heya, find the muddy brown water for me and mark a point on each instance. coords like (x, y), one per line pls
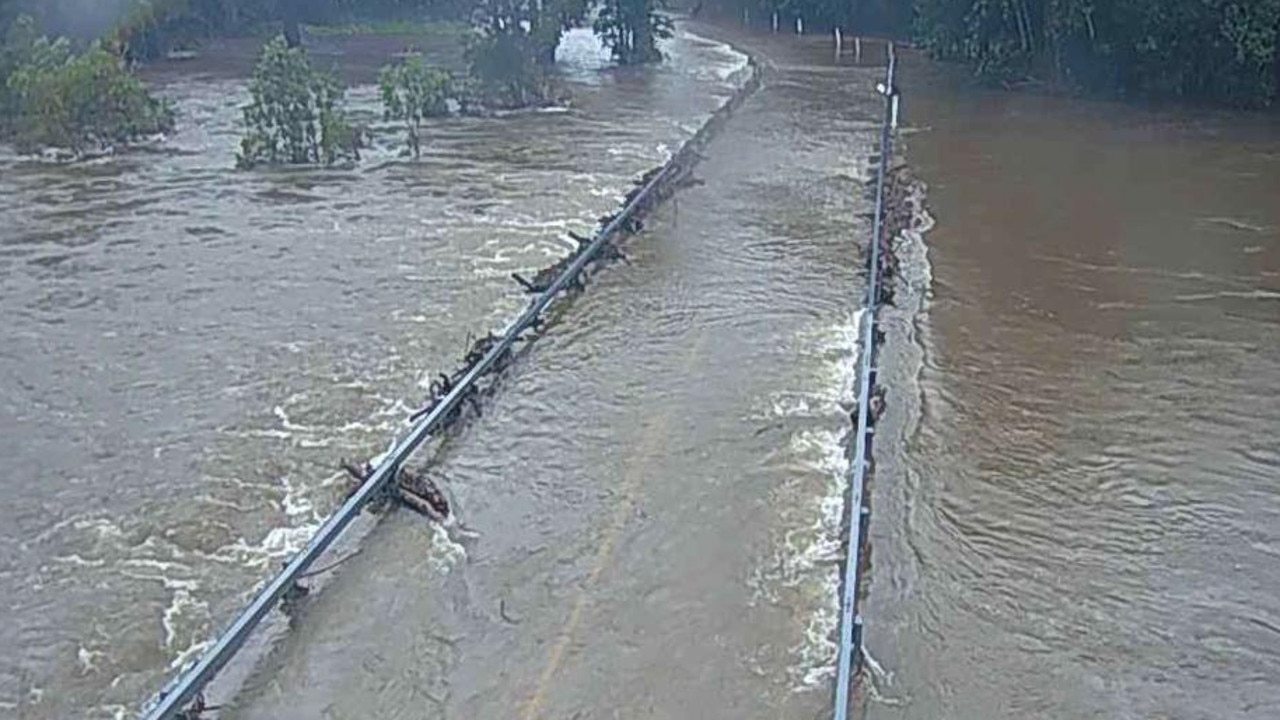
(189, 349)
(657, 491)
(1077, 514)
(1074, 505)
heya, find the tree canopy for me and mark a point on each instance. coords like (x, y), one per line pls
(1216, 50)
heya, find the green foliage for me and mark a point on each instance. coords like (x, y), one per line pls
(514, 46)
(151, 28)
(412, 92)
(23, 44)
(506, 70)
(55, 98)
(631, 29)
(296, 115)
(1216, 50)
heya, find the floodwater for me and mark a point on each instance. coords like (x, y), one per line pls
(189, 350)
(1074, 505)
(1077, 512)
(657, 490)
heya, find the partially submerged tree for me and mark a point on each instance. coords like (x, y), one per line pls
(58, 99)
(412, 92)
(506, 72)
(631, 29)
(296, 116)
(18, 46)
(514, 47)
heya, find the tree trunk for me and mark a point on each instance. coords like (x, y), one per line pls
(1275, 70)
(291, 14)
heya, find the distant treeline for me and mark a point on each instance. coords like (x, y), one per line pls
(67, 82)
(1218, 51)
(1221, 51)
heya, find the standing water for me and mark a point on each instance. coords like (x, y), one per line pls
(1077, 512)
(190, 349)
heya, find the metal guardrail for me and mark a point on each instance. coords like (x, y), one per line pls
(180, 692)
(850, 641)
(188, 685)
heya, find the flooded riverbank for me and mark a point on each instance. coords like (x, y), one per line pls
(1083, 515)
(192, 348)
(1074, 502)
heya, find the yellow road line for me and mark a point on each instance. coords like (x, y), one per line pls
(654, 433)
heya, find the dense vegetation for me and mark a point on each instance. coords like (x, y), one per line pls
(631, 28)
(1220, 51)
(413, 92)
(52, 96)
(296, 114)
(80, 95)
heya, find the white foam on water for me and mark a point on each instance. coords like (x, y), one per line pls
(103, 527)
(188, 655)
(1237, 294)
(184, 615)
(76, 559)
(914, 268)
(88, 659)
(1236, 224)
(285, 541)
(793, 404)
(836, 390)
(381, 457)
(876, 669)
(182, 599)
(581, 50)
(296, 501)
(818, 652)
(285, 422)
(163, 567)
(267, 434)
(814, 553)
(718, 60)
(820, 541)
(445, 552)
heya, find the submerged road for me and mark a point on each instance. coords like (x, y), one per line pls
(656, 491)
(191, 349)
(1074, 510)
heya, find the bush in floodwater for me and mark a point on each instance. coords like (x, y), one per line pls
(78, 102)
(506, 72)
(631, 29)
(22, 45)
(295, 117)
(412, 92)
